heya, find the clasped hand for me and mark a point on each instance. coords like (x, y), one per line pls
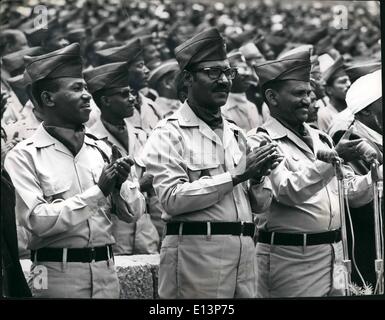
(114, 174)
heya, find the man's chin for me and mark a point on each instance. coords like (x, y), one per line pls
(129, 114)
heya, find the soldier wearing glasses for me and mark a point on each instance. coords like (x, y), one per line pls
(200, 168)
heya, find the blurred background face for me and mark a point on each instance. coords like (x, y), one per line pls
(55, 41)
(319, 83)
(121, 102)
(138, 74)
(313, 109)
(266, 50)
(243, 79)
(168, 85)
(151, 56)
(339, 87)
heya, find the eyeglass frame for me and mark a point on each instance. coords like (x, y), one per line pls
(119, 91)
(207, 70)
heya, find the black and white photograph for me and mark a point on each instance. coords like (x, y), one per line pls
(174, 150)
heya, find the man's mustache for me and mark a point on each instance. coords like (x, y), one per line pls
(221, 88)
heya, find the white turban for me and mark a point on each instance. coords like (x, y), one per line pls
(364, 91)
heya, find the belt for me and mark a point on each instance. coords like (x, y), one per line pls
(210, 228)
(299, 239)
(73, 254)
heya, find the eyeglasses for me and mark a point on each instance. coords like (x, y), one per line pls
(124, 93)
(215, 73)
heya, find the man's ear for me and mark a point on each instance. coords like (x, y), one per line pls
(271, 97)
(167, 82)
(46, 98)
(187, 78)
(328, 90)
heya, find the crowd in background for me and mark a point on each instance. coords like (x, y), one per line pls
(259, 30)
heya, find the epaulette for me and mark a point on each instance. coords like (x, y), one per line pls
(140, 133)
(263, 133)
(325, 139)
(260, 129)
(90, 135)
(103, 154)
(163, 122)
(231, 121)
(155, 111)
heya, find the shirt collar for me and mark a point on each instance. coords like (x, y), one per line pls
(42, 138)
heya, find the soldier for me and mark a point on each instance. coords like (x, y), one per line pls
(200, 168)
(299, 249)
(313, 106)
(337, 84)
(254, 57)
(163, 80)
(238, 108)
(109, 87)
(64, 189)
(12, 40)
(146, 115)
(363, 118)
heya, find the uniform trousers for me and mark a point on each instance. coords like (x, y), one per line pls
(75, 280)
(201, 266)
(297, 271)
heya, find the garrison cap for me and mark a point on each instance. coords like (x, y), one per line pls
(16, 35)
(207, 45)
(65, 62)
(160, 71)
(19, 86)
(324, 45)
(108, 76)
(297, 48)
(128, 52)
(101, 31)
(294, 67)
(76, 34)
(331, 69)
(14, 62)
(36, 35)
(358, 69)
(235, 56)
(250, 51)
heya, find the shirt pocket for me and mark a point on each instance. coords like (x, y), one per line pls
(198, 170)
(55, 190)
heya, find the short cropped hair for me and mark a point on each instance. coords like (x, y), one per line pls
(274, 85)
(43, 85)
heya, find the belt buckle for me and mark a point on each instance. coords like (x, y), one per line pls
(92, 255)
